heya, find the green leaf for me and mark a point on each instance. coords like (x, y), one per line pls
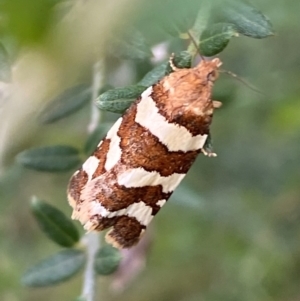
(94, 139)
(119, 100)
(50, 158)
(170, 28)
(183, 60)
(5, 66)
(55, 269)
(177, 16)
(215, 38)
(130, 92)
(132, 46)
(247, 20)
(115, 106)
(154, 75)
(70, 101)
(107, 260)
(54, 223)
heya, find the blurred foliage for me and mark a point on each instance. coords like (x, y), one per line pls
(231, 231)
(68, 102)
(107, 260)
(216, 38)
(54, 269)
(54, 224)
(5, 66)
(50, 158)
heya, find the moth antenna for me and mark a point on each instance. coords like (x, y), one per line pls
(242, 81)
(195, 44)
(171, 62)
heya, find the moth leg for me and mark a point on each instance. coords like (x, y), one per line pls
(216, 104)
(207, 148)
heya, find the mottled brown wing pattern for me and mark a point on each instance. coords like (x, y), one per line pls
(144, 156)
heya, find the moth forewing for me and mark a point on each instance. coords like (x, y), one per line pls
(145, 155)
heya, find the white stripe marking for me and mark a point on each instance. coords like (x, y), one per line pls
(114, 152)
(140, 211)
(90, 166)
(174, 136)
(139, 177)
(160, 203)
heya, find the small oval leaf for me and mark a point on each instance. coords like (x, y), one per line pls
(182, 60)
(130, 92)
(170, 28)
(55, 269)
(178, 16)
(50, 158)
(132, 45)
(68, 102)
(115, 106)
(215, 38)
(247, 19)
(55, 224)
(119, 100)
(154, 75)
(107, 260)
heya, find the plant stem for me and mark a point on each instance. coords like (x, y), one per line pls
(97, 83)
(92, 240)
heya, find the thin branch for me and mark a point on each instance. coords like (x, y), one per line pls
(5, 95)
(195, 32)
(92, 240)
(97, 83)
(193, 42)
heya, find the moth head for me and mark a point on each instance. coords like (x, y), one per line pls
(212, 76)
(189, 90)
(209, 69)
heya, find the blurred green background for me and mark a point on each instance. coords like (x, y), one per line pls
(231, 231)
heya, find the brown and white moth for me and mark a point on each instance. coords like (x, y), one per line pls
(145, 155)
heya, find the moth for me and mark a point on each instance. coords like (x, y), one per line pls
(145, 155)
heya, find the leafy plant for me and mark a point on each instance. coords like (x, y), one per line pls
(225, 22)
